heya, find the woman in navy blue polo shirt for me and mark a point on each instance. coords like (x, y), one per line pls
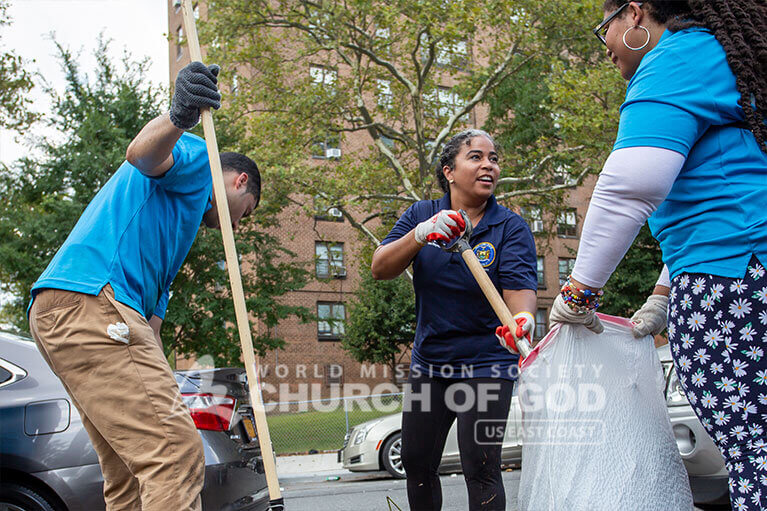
(458, 368)
(690, 158)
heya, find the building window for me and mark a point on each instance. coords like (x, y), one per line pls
(567, 224)
(334, 374)
(444, 102)
(533, 217)
(235, 85)
(328, 148)
(454, 54)
(325, 77)
(385, 97)
(320, 25)
(382, 41)
(541, 318)
(330, 320)
(562, 176)
(541, 274)
(329, 260)
(179, 39)
(566, 265)
(324, 211)
(388, 142)
(428, 145)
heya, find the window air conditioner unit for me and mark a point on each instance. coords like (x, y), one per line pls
(332, 152)
(335, 212)
(339, 272)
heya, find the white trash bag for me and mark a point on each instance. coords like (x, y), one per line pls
(596, 432)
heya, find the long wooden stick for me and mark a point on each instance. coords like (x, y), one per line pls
(494, 297)
(232, 264)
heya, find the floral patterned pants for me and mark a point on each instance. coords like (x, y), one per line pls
(718, 335)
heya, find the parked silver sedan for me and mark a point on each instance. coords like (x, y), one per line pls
(376, 444)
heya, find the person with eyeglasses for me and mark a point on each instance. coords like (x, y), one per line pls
(690, 158)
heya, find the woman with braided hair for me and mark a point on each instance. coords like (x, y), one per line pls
(690, 159)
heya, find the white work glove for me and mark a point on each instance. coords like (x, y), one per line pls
(444, 226)
(508, 337)
(562, 313)
(651, 318)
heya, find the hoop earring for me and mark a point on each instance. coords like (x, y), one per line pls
(451, 181)
(640, 47)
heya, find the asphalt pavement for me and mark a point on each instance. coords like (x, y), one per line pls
(377, 491)
(319, 483)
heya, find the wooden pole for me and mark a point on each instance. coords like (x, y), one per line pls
(232, 264)
(495, 299)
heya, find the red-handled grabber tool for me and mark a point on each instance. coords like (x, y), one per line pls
(461, 246)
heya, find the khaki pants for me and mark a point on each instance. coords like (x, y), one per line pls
(106, 355)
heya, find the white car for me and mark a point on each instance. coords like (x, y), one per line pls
(376, 444)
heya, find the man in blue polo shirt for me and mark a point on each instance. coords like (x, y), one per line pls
(97, 309)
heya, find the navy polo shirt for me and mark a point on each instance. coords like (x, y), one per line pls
(455, 334)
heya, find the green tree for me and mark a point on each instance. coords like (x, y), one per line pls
(634, 278)
(571, 100)
(96, 118)
(15, 83)
(43, 197)
(404, 75)
(381, 322)
(556, 120)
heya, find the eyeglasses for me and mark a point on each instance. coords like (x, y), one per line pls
(601, 30)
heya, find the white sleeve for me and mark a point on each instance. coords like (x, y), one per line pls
(633, 183)
(664, 278)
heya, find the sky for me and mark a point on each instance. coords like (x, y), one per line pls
(140, 26)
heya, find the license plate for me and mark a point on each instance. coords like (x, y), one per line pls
(248, 423)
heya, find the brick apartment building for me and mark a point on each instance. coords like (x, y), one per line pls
(313, 354)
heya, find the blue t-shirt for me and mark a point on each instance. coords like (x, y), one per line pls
(681, 98)
(136, 232)
(455, 332)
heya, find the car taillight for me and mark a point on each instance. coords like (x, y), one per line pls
(210, 411)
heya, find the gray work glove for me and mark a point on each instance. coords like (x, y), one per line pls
(195, 88)
(651, 318)
(562, 313)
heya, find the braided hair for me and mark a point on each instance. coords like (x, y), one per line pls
(740, 26)
(451, 150)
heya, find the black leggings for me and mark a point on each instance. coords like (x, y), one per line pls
(431, 405)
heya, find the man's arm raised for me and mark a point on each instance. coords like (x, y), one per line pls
(152, 150)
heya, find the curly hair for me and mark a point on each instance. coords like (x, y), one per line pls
(451, 150)
(740, 26)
